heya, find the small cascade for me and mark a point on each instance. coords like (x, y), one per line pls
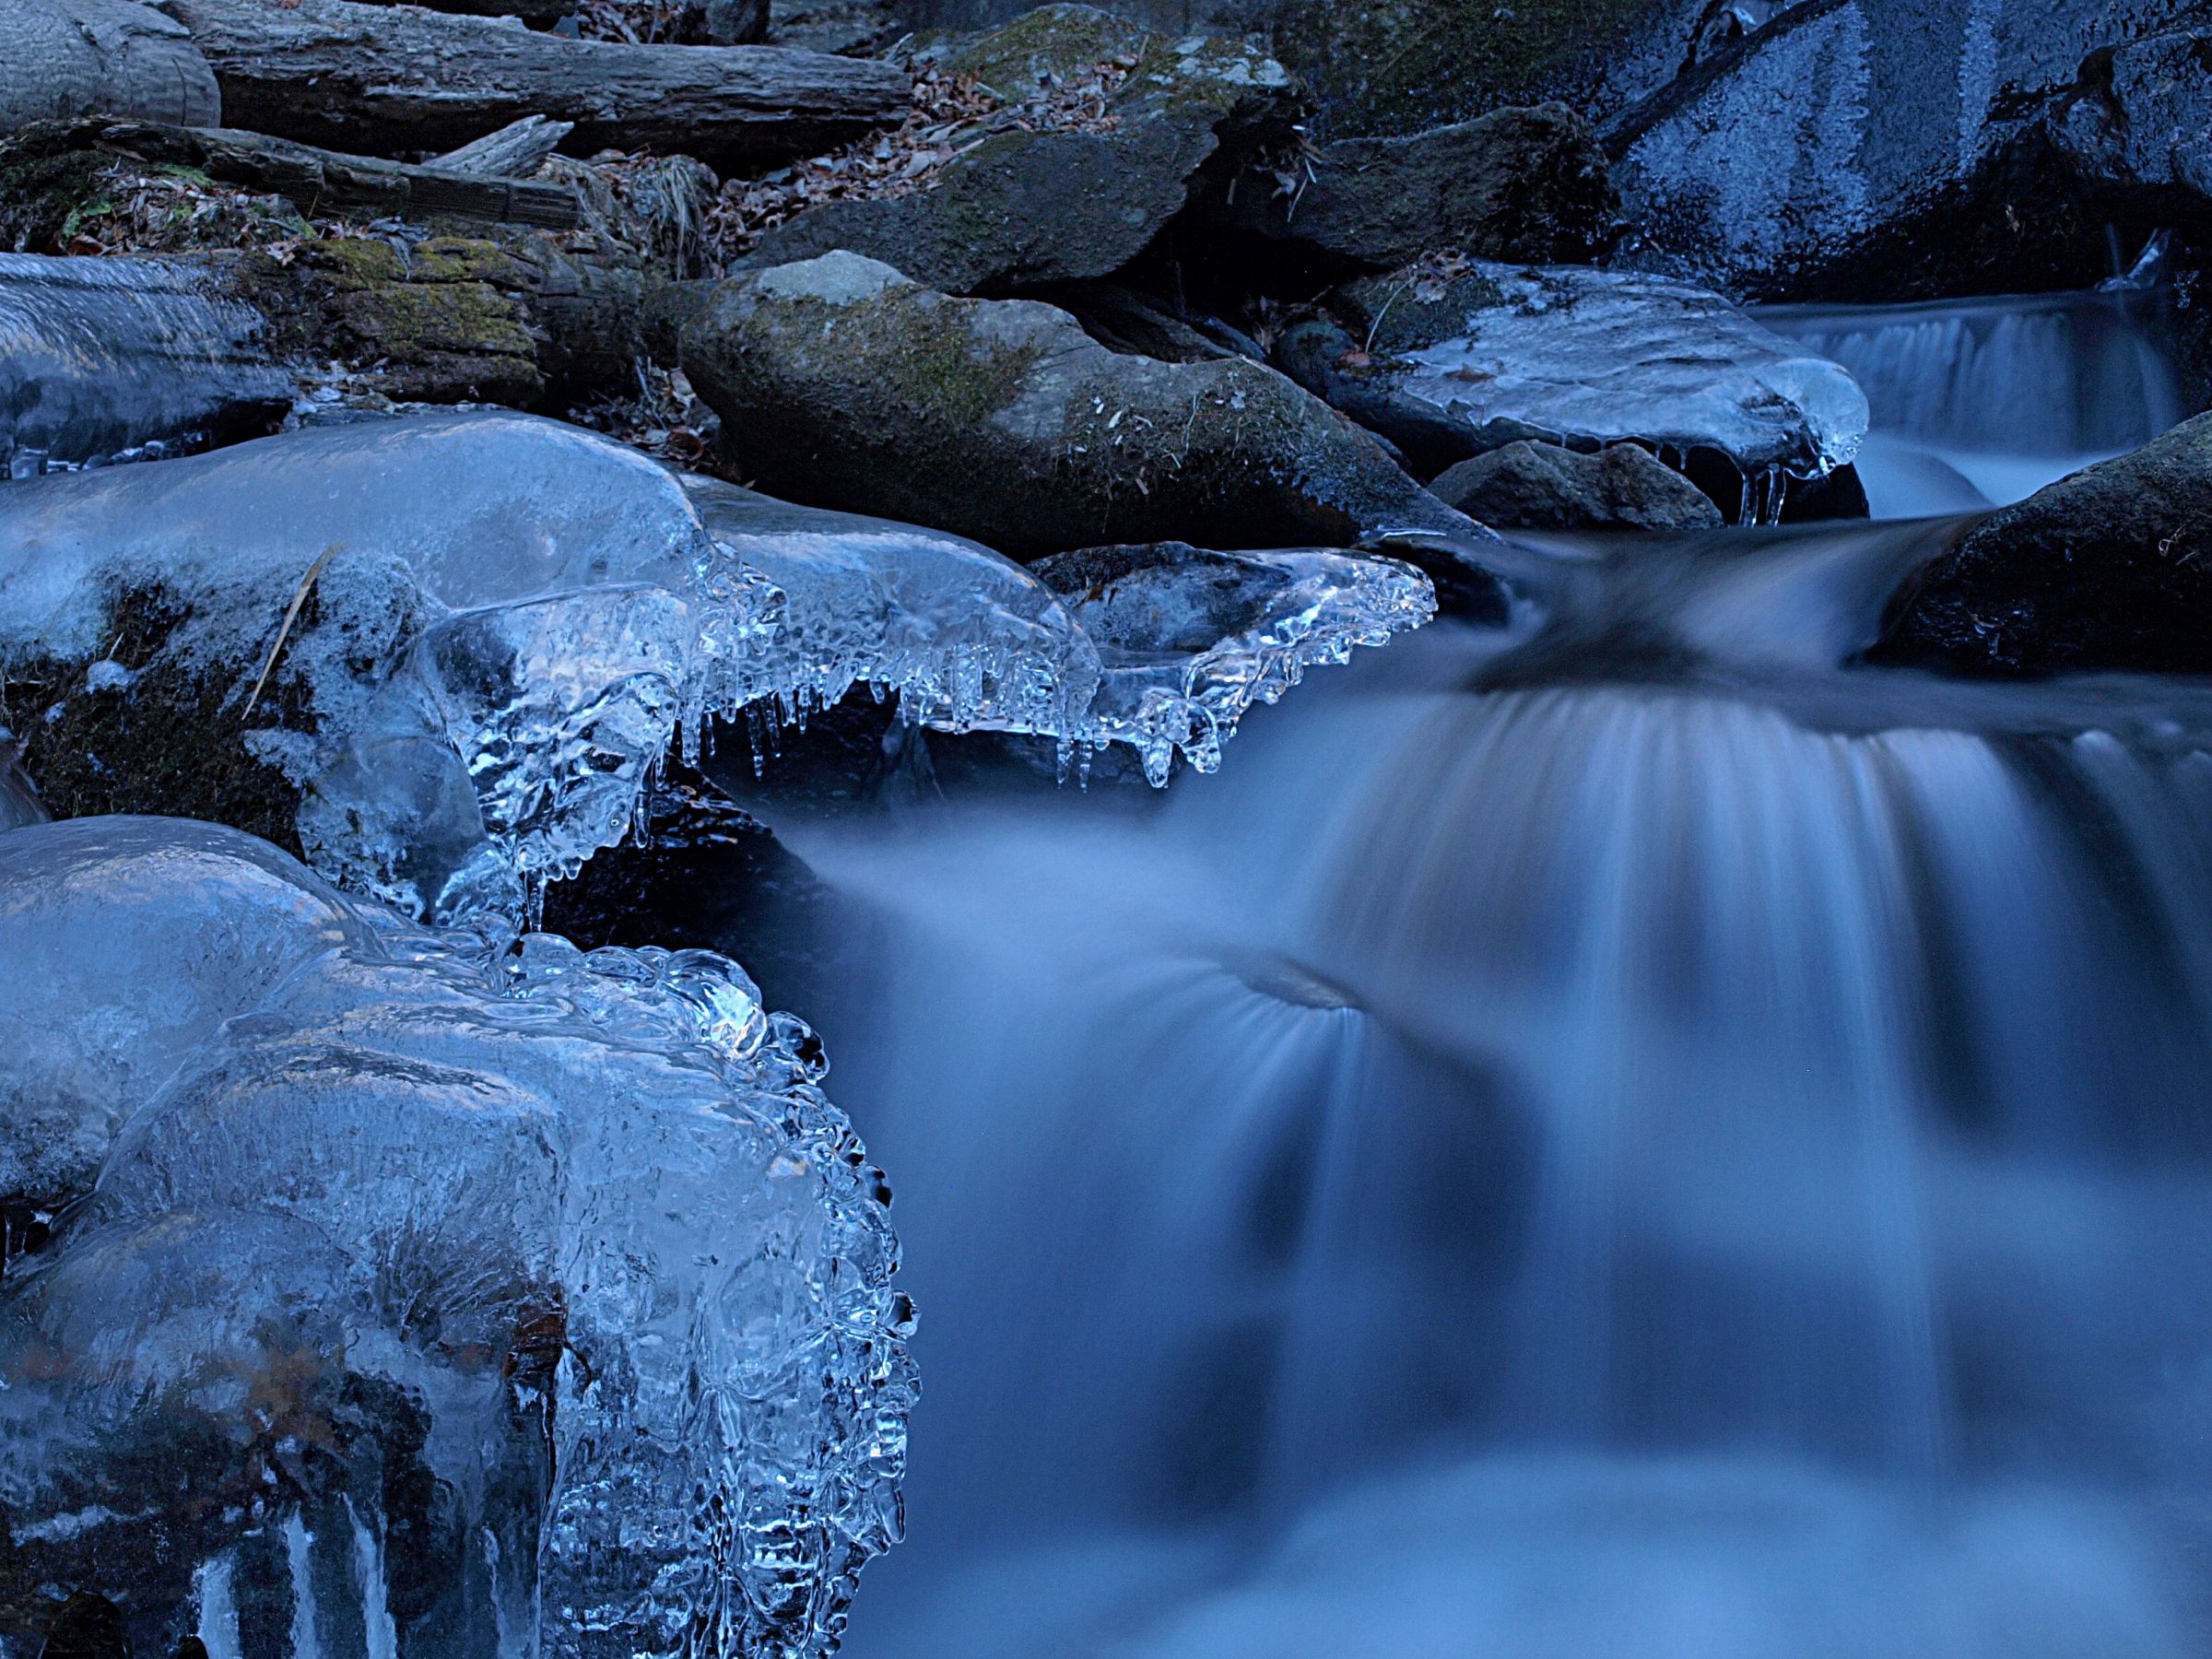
(1977, 403)
(1524, 1136)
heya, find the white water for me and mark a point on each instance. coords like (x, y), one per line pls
(1552, 1155)
(1979, 403)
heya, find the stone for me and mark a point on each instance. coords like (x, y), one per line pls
(1895, 150)
(1542, 486)
(2110, 568)
(1022, 207)
(841, 383)
(1523, 184)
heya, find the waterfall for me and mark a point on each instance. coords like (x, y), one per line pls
(1747, 1137)
(1982, 402)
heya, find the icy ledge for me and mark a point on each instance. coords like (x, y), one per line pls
(455, 647)
(433, 1297)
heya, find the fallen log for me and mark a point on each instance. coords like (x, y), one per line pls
(388, 79)
(67, 58)
(515, 151)
(315, 181)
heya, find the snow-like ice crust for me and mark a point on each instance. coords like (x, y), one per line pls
(514, 620)
(488, 1301)
(1604, 356)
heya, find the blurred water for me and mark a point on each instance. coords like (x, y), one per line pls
(1979, 403)
(1622, 1135)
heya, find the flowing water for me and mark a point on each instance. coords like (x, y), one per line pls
(1981, 403)
(1622, 1135)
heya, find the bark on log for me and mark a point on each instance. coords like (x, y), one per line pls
(538, 14)
(375, 78)
(61, 59)
(318, 180)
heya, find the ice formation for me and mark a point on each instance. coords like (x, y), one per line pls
(1190, 638)
(108, 360)
(1600, 357)
(433, 1298)
(966, 637)
(468, 640)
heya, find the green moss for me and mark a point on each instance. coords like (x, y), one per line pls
(921, 352)
(1053, 40)
(40, 195)
(1401, 65)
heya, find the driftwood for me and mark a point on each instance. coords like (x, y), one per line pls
(515, 151)
(316, 180)
(390, 79)
(61, 59)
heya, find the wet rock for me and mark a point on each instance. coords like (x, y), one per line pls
(1542, 486)
(2111, 568)
(1023, 208)
(1521, 184)
(1581, 357)
(1881, 149)
(842, 384)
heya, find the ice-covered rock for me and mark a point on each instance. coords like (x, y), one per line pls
(101, 360)
(967, 637)
(433, 1298)
(457, 641)
(1191, 638)
(1588, 358)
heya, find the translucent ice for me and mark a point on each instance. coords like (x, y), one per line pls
(1599, 356)
(1190, 639)
(433, 1300)
(966, 637)
(101, 357)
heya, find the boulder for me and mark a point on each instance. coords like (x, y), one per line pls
(1023, 207)
(1407, 65)
(1521, 184)
(842, 384)
(1453, 359)
(2109, 568)
(1893, 149)
(1542, 486)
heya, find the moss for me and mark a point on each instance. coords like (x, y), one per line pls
(1050, 41)
(1401, 65)
(171, 743)
(40, 194)
(921, 352)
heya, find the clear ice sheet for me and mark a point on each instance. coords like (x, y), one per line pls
(1190, 639)
(435, 1298)
(1601, 356)
(105, 360)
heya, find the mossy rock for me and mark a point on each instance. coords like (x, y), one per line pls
(843, 384)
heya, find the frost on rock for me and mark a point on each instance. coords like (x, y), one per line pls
(433, 1298)
(1593, 357)
(116, 359)
(1190, 639)
(966, 637)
